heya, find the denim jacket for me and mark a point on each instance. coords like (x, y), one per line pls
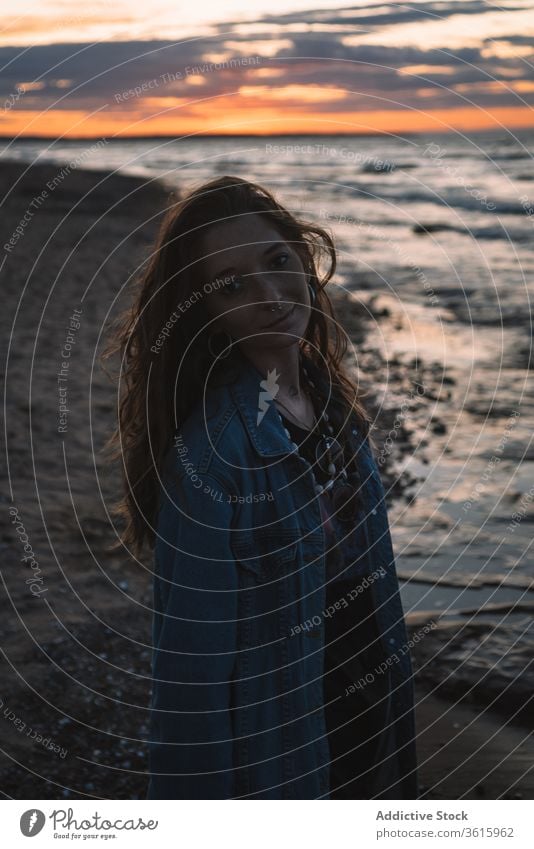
(237, 707)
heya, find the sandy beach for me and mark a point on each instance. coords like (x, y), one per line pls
(454, 448)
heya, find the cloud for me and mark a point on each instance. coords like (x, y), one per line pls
(308, 48)
(379, 14)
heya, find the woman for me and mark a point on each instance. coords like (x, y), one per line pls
(280, 663)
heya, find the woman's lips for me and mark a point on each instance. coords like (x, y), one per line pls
(280, 320)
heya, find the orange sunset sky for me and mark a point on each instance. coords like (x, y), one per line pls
(170, 68)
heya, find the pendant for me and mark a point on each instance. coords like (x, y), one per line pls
(328, 452)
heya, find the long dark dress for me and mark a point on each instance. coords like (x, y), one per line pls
(363, 760)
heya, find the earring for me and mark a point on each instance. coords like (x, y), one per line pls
(312, 293)
(228, 347)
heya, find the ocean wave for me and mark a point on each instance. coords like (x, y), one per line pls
(514, 235)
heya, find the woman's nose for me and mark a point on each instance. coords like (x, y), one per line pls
(266, 291)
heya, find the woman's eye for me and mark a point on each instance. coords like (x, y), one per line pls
(280, 260)
(233, 286)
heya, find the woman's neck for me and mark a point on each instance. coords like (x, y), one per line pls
(281, 367)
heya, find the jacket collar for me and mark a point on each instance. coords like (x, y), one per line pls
(257, 410)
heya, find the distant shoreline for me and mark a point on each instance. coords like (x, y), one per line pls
(194, 136)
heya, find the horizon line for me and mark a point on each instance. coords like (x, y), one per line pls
(195, 136)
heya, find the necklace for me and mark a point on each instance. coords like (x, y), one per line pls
(327, 447)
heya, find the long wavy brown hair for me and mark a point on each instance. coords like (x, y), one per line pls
(160, 383)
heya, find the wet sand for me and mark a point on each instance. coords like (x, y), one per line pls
(76, 655)
(466, 754)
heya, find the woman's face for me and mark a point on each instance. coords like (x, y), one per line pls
(252, 269)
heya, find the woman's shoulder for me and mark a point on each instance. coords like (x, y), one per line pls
(211, 440)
